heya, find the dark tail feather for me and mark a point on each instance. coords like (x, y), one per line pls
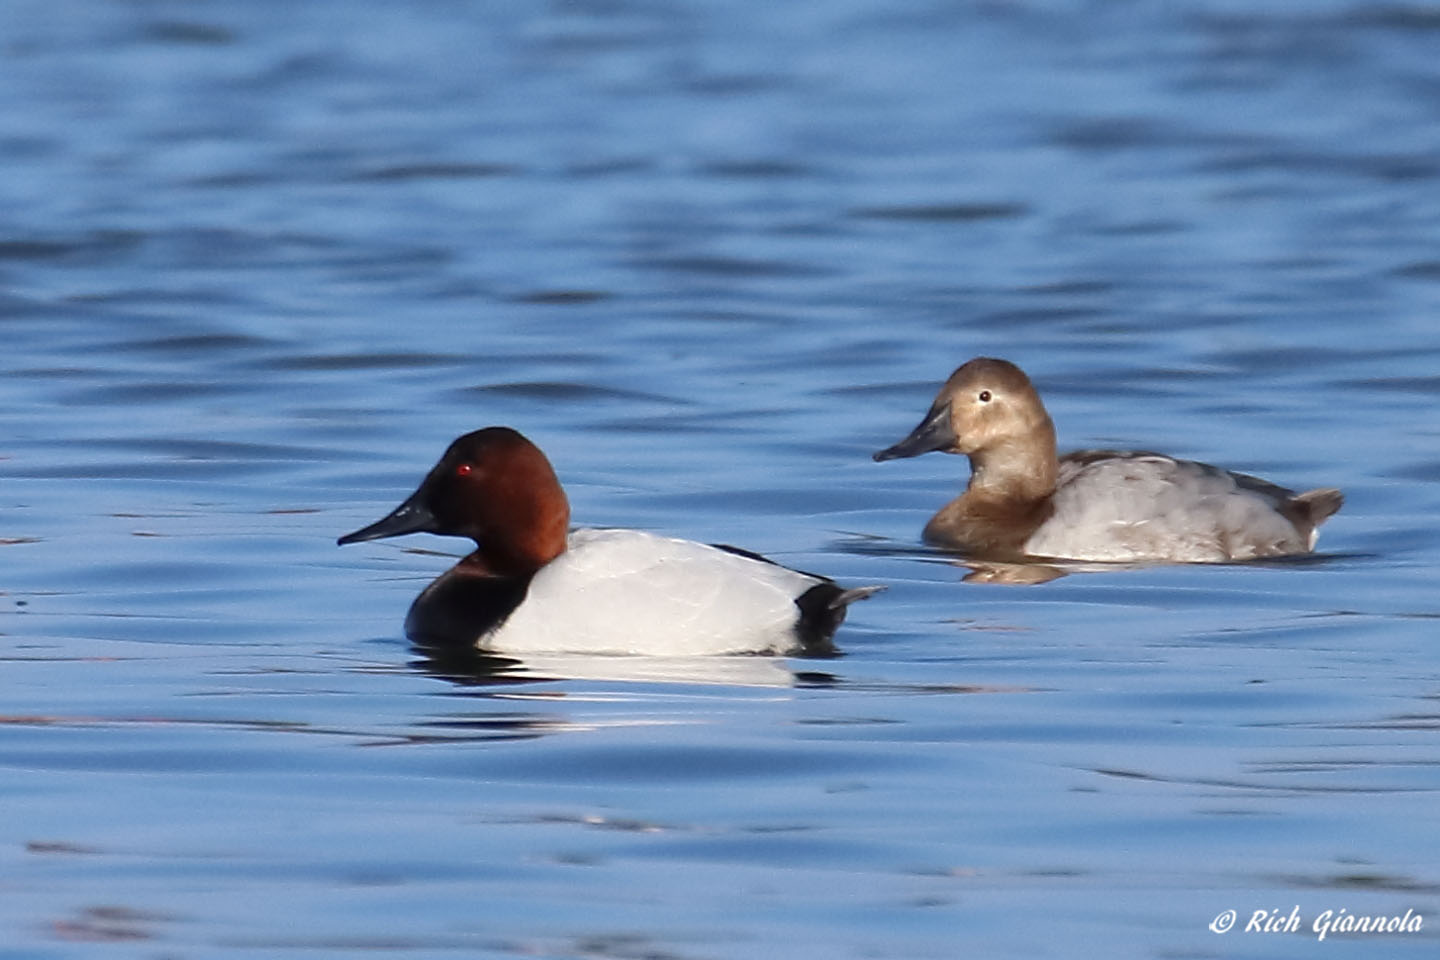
(846, 597)
(1310, 509)
(1320, 504)
(822, 610)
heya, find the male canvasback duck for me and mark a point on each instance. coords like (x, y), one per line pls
(533, 586)
(1104, 505)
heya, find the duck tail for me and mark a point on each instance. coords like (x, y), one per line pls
(822, 610)
(1320, 504)
(846, 597)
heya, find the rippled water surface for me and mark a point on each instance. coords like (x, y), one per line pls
(260, 262)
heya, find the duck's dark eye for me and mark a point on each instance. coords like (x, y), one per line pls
(984, 396)
(463, 470)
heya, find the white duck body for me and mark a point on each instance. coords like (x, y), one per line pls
(632, 592)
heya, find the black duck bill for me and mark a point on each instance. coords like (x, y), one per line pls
(935, 432)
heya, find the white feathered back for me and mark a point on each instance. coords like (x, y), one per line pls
(631, 592)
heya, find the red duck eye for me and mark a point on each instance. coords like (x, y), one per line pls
(984, 396)
(463, 470)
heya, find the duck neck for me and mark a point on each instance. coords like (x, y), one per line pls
(526, 542)
(1021, 471)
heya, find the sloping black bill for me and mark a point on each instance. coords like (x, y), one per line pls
(933, 433)
(412, 516)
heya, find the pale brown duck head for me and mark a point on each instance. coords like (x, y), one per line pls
(989, 411)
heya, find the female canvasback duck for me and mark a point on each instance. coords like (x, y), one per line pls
(533, 586)
(1105, 505)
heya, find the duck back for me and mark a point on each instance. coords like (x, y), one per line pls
(627, 591)
(1135, 506)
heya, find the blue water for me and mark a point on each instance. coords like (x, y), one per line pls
(260, 262)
